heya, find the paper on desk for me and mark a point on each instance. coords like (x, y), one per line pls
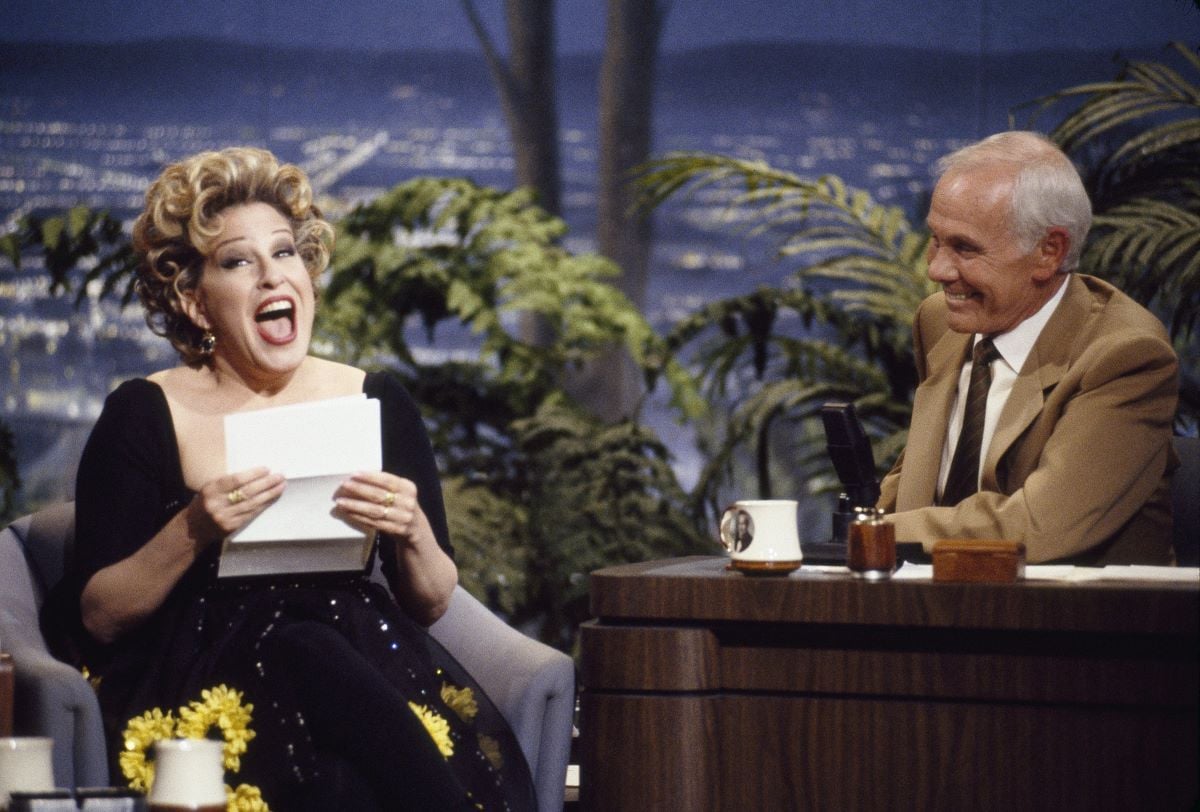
(1144, 572)
(913, 572)
(1053, 572)
(1072, 574)
(315, 446)
(1112, 572)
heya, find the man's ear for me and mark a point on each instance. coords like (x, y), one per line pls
(194, 309)
(1052, 252)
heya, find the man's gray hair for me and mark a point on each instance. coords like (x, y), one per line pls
(1047, 193)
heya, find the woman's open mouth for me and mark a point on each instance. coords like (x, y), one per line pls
(276, 320)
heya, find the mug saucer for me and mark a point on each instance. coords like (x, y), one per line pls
(762, 567)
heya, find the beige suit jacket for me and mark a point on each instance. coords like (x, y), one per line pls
(1079, 467)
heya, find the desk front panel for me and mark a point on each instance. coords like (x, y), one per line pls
(769, 752)
(713, 712)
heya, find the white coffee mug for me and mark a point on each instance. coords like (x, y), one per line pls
(188, 774)
(26, 765)
(760, 535)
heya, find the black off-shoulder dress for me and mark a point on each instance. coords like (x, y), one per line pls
(338, 675)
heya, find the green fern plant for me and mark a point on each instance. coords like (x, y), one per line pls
(447, 250)
(601, 495)
(838, 329)
(539, 493)
(1162, 241)
(493, 545)
(78, 247)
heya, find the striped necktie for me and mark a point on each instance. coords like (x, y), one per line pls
(963, 479)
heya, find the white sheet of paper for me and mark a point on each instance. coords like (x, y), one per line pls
(339, 435)
(315, 445)
(1145, 572)
(301, 513)
(1068, 573)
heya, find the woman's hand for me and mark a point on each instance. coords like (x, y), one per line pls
(227, 504)
(425, 575)
(110, 604)
(377, 500)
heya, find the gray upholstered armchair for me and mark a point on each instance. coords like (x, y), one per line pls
(531, 683)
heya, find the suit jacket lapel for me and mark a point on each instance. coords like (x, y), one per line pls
(931, 416)
(1044, 367)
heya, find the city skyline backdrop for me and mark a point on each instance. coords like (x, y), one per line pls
(949, 25)
(93, 124)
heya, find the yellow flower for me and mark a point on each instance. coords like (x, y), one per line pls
(93, 681)
(244, 799)
(141, 732)
(437, 727)
(220, 707)
(461, 701)
(491, 749)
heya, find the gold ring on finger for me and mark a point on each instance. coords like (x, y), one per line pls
(235, 496)
(389, 499)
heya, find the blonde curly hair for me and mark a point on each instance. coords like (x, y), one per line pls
(174, 233)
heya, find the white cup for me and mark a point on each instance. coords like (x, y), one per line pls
(760, 536)
(26, 765)
(188, 773)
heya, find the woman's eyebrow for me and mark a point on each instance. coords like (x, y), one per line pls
(223, 243)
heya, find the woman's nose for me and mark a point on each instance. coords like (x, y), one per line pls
(272, 272)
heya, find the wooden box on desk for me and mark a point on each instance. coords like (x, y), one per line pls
(979, 561)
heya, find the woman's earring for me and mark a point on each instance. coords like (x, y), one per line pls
(208, 342)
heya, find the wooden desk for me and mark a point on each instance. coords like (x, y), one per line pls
(709, 690)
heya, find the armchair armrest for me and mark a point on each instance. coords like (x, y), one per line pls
(531, 683)
(51, 697)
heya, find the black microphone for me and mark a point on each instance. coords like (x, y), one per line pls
(850, 451)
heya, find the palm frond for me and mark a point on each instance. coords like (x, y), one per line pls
(1152, 249)
(1156, 141)
(1143, 90)
(689, 172)
(818, 218)
(859, 274)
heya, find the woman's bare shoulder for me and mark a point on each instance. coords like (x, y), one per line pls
(175, 381)
(332, 379)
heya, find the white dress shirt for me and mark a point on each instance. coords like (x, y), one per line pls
(1014, 347)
